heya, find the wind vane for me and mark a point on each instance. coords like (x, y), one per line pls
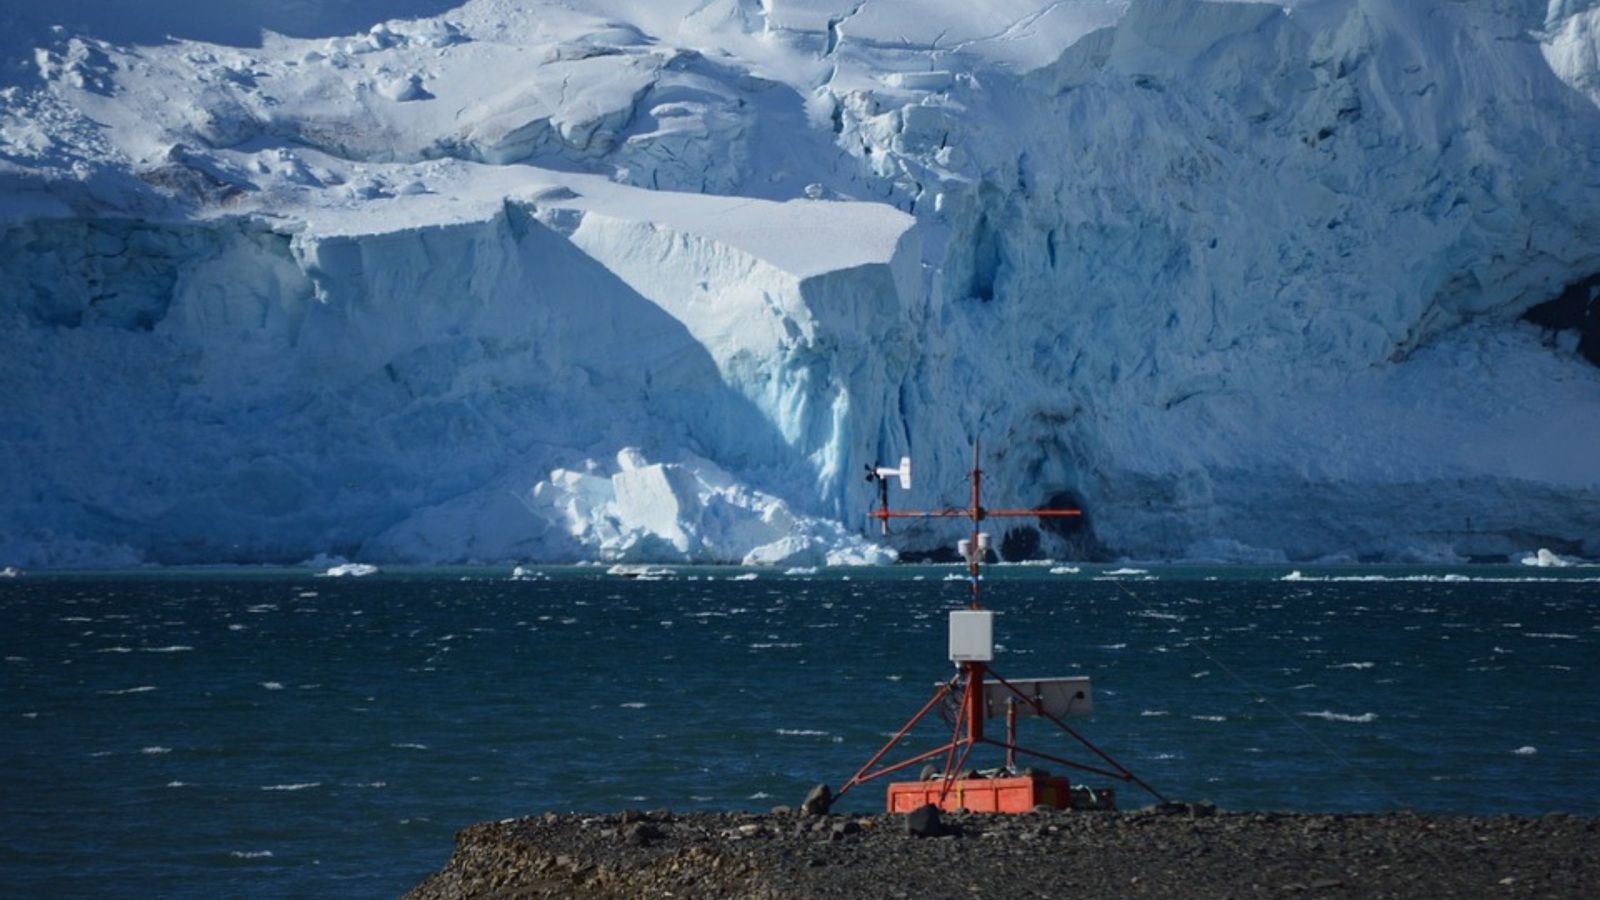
(972, 650)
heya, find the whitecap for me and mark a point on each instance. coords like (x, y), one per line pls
(251, 854)
(372, 784)
(802, 732)
(175, 648)
(800, 570)
(272, 685)
(747, 576)
(760, 795)
(236, 627)
(155, 751)
(141, 689)
(1154, 712)
(1113, 646)
(1341, 717)
(1120, 572)
(1353, 665)
(1550, 635)
(1206, 718)
(1526, 751)
(118, 649)
(633, 705)
(409, 746)
(299, 786)
(177, 784)
(1065, 570)
(1203, 674)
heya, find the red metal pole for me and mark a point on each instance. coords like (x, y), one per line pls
(975, 707)
(977, 518)
(1011, 733)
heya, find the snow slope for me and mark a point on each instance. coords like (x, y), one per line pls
(419, 281)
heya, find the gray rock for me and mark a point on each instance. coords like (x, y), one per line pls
(818, 801)
(642, 834)
(924, 821)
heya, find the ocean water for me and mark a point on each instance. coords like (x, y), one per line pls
(269, 733)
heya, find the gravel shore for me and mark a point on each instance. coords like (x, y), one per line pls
(1175, 852)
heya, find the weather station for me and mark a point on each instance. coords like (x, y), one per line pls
(978, 693)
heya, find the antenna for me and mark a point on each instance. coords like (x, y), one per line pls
(972, 650)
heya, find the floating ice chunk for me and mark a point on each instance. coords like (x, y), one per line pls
(633, 570)
(1545, 559)
(10, 572)
(353, 570)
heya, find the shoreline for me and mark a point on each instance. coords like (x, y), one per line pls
(1176, 851)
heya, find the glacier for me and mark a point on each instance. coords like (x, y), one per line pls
(420, 282)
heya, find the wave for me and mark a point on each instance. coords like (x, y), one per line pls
(802, 732)
(1451, 578)
(155, 751)
(175, 648)
(141, 689)
(251, 854)
(1341, 717)
(300, 786)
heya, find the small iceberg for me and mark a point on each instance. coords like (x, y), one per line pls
(631, 570)
(10, 572)
(352, 570)
(1544, 559)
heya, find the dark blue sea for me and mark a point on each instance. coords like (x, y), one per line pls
(269, 733)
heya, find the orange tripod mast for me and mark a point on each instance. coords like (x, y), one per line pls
(969, 681)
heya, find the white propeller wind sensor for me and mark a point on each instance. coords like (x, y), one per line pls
(903, 473)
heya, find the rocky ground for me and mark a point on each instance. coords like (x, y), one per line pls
(1178, 851)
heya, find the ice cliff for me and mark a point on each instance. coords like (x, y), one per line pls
(424, 281)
